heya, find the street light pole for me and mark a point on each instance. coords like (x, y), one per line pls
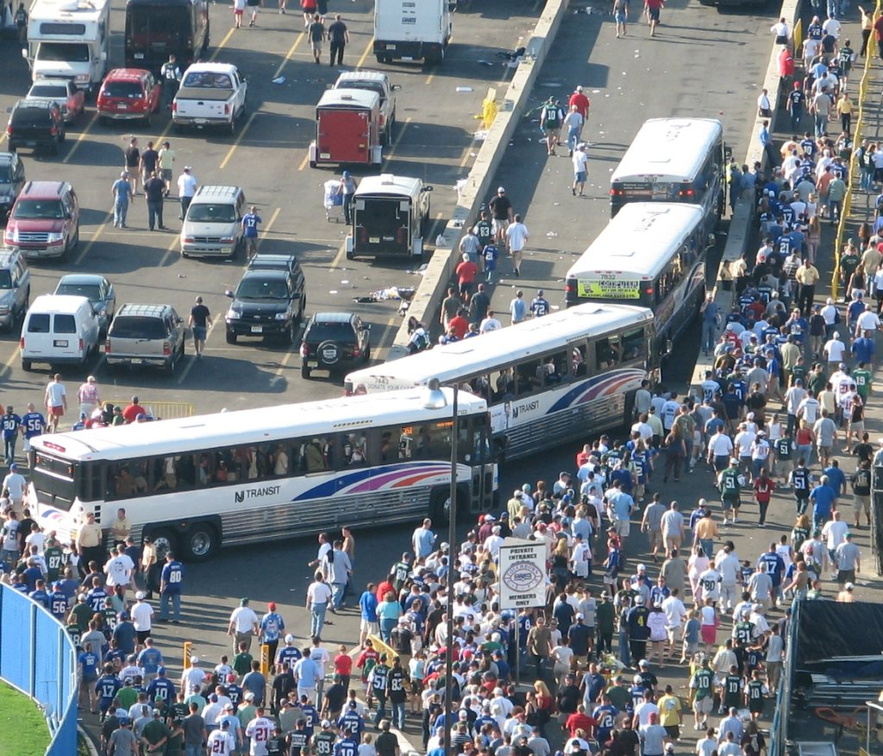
(436, 399)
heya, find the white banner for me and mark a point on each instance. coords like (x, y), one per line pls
(522, 574)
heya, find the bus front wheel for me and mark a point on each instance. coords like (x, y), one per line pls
(200, 542)
(440, 505)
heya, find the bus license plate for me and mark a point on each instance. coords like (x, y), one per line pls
(257, 329)
(60, 343)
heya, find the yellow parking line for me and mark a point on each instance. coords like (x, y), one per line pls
(171, 248)
(395, 144)
(88, 245)
(284, 362)
(223, 42)
(340, 257)
(193, 359)
(80, 137)
(368, 48)
(235, 144)
(289, 54)
(305, 161)
(272, 220)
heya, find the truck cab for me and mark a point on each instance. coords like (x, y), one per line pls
(390, 217)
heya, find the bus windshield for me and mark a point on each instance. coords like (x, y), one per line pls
(62, 52)
(55, 481)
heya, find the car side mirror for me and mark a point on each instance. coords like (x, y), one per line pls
(366, 327)
(228, 293)
(396, 87)
(427, 188)
(24, 53)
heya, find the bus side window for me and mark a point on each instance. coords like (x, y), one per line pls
(503, 385)
(205, 471)
(406, 443)
(281, 460)
(633, 343)
(314, 459)
(607, 352)
(578, 367)
(387, 452)
(526, 376)
(355, 449)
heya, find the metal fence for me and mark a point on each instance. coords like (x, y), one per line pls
(38, 658)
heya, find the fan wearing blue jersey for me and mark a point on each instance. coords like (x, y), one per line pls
(106, 688)
(10, 426)
(170, 588)
(33, 424)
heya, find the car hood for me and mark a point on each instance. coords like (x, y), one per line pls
(198, 228)
(259, 306)
(50, 225)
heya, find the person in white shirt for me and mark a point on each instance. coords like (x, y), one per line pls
(727, 563)
(675, 614)
(517, 236)
(193, 676)
(221, 741)
(490, 323)
(834, 349)
(244, 625)
(259, 730)
(142, 619)
(867, 321)
(832, 26)
(580, 170)
(120, 569)
(187, 185)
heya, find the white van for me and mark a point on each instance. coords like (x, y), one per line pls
(412, 30)
(59, 329)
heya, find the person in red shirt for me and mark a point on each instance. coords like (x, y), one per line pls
(343, 667)
(652, 7)
(385, 587)
(579, 720)
(466, 272)
(582, 104)
(764, 486)
(459, 325)
(786, 64)
(131, 412)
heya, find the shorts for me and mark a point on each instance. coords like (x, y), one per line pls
(237, 12)
(619, 17)
(142, 635)
(372, 628)
(845, 576)
(580, 177)
(166, 174)
(499, 224)
(316, 46)
(703, 705)
(674, 632)
(199, 333)
(728, 504)
(674, 731)
(623, 528)
(653, 13)
(708, 633)
(57, 411)
(861, 503)
(654, 537)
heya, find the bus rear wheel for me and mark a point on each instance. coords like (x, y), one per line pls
(164, 541)
(200, 542)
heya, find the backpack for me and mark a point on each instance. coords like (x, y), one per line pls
(21, 17)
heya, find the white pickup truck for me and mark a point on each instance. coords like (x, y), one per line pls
(374, 81)
(211, 94)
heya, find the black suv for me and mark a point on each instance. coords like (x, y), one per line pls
(36, 123)
(12, 179)
(334, 341)
(269, 300)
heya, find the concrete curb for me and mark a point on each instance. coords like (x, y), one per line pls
(93, 751)
(432, 288)
(743, 215)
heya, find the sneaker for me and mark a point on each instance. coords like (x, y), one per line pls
(725, 522)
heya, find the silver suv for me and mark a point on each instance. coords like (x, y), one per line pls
(15, 288)
(143, 335)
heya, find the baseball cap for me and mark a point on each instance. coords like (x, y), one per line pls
(326, 723)
(580, 615)
(849, 586)
(156, 712)
(140, 595)
(160, 670)
(194, 659)
(271, 606)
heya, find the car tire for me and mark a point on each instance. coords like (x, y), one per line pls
(147, 119)
(292, 331)
(76, 241)
(26, 365)
(231, 337)
(305, 372)
(367, 354)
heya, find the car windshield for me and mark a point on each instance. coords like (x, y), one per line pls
(52, 91)
(5, 174)
(130, 90)
(259, 288)
(320, 331)
(212, 213)
(33, 208)
(63, 52)
(5, 279)
(92, 293)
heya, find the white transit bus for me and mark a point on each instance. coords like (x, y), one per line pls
(651, 254)
(250, 476)
(673, 160)
(548, 380)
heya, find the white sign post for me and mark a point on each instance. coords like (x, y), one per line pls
(522, 572)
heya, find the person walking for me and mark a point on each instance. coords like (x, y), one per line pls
(250, 222)
(238, 13)
(317, 35)
(148, 163)
(253, 6)
(338, 39)
(766, 141)
(154, 194)
(55, 400)
(122, 193)
(187, 185)
(243, 625)
(170, 589)
(88, 396)
(170, 73)
(200, 320)
(21, 24)
(131, 163)
(580, 173)
(166, 165)
(319, 595)
(573, 122)
(11, 426)
(348, 188)
(550, 123)
(517, 236)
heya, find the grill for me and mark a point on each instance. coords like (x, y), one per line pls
(207, 240)
(33, 237)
